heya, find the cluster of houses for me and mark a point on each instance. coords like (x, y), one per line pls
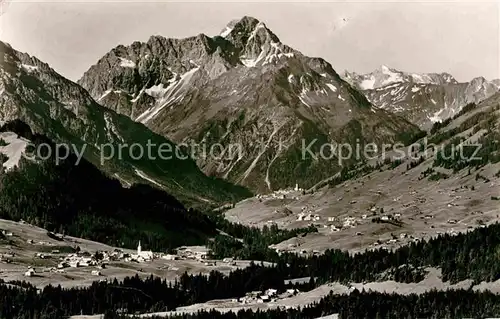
(99, 259)
(392, 241)
(339, 224)
(270, 295)
(308, 214)
(193, 253)
(281, 194)
(308, 217)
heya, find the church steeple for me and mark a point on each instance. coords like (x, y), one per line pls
(139, 248)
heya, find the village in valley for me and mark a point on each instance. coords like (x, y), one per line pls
(355, 215)
(385, 209)
(41, 257)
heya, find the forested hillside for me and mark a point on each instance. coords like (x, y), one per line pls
(80, 200)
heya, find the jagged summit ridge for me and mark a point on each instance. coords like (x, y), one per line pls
(421, 98)
(243, 87)
(162, 61)
(385, 75)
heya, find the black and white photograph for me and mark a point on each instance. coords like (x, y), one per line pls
(249, 159)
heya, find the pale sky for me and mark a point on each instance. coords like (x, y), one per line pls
(461, 38)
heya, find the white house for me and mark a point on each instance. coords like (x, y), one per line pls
(170, 257)
(29, 273)
(271, 292)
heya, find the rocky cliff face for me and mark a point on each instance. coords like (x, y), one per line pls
(34, 93)
(242, 88)
(421, 98)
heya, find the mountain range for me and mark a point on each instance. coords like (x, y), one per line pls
(243, 87)
(423, 99)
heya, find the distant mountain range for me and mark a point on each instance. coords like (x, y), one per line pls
(243, 87)
(421, 98)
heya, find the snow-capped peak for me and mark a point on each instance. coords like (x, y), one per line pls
(227, 30)
(385, 69)
(496, 82)
(243, 31)
(385, 75)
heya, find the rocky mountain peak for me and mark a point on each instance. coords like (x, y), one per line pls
(385, 69)
(239, 31)
(448, 77)
(478, 80)
(422, 98)
(386, 76)
(242, 32)
(496, 82)
(253, 42)
(243, 87)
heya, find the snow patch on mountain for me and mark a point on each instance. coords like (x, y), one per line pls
(332, 87)
(135, 99)
(421, 78)
(267, 180)
(436, 117)
(108, 92)
(14, 150)
(29, 68)
(250, 63)
(303, 97)
(125, 63)
(259, 25)
(368, 84)
(157, 90)
(392, 77)
(276, 53)
(263, 150)
(174, 92)
(267, 56)
(226, 32)
(144, 176)
(111, 128)
(384, 76)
